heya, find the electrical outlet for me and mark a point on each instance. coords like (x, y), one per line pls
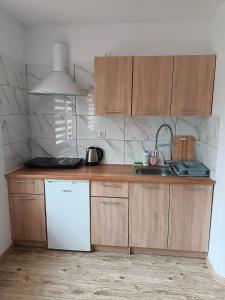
(102, 134)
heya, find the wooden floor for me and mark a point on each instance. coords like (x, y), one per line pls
(41, 274)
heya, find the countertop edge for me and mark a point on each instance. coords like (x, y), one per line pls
(105, 175)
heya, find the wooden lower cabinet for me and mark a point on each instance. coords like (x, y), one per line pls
(27, 214)
(109, 221)
(189, 217)
(137, 215)
(148, 215)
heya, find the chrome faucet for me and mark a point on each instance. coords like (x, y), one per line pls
(157, 137)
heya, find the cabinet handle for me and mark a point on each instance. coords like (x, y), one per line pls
(193, 188)
(155, 187)
(111, 185)
(113, 111)
(26, 198)
(191, 112)
(110, 202)
(25, 181)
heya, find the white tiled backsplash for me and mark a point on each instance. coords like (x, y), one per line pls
(14, 114)
(61, 126)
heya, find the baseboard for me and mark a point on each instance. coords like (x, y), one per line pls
(5, 254)
(29, 244)
(220, 279)
(111, 249)
(163, 252)
(168, 252)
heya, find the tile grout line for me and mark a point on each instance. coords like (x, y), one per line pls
(16, 141)
(13, 86)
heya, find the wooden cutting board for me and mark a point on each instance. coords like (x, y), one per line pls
(184, 147)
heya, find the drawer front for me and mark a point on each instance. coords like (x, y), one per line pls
(109, 189)
(109, 221)
(27, 214)
(26, 186)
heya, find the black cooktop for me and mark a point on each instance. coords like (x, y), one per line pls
(53, 162)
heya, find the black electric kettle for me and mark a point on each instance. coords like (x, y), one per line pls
(93, 156)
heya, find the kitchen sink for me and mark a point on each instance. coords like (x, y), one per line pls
(151, 171)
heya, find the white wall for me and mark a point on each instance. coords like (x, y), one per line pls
(217, 240)
(12, 36)
(11, 43)
(85, 42)
(5, 235)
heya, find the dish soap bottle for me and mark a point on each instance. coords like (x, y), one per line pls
(145, 158)
(153, 159)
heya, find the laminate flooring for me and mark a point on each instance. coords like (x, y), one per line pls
(31, 274)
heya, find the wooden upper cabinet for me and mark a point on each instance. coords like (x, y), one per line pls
(148, 215)
(193, 82)
(113, 85)
(152, 85)
(189, 217)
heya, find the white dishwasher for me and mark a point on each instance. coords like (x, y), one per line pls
(68, 214)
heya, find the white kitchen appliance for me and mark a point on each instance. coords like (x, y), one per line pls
(68, 214)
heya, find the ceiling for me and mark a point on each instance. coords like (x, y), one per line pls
(80, 12)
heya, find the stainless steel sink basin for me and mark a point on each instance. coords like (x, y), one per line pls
(156, 171)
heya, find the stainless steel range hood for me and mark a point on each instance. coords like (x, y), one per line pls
(59, 81)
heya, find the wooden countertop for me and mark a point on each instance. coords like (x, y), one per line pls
(103, 172)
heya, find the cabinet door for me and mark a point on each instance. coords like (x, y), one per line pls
(113, 85)
(193, 82)
(152, 85)
(27, 214)
(148, 215)
(189, 218)
(109, 221)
